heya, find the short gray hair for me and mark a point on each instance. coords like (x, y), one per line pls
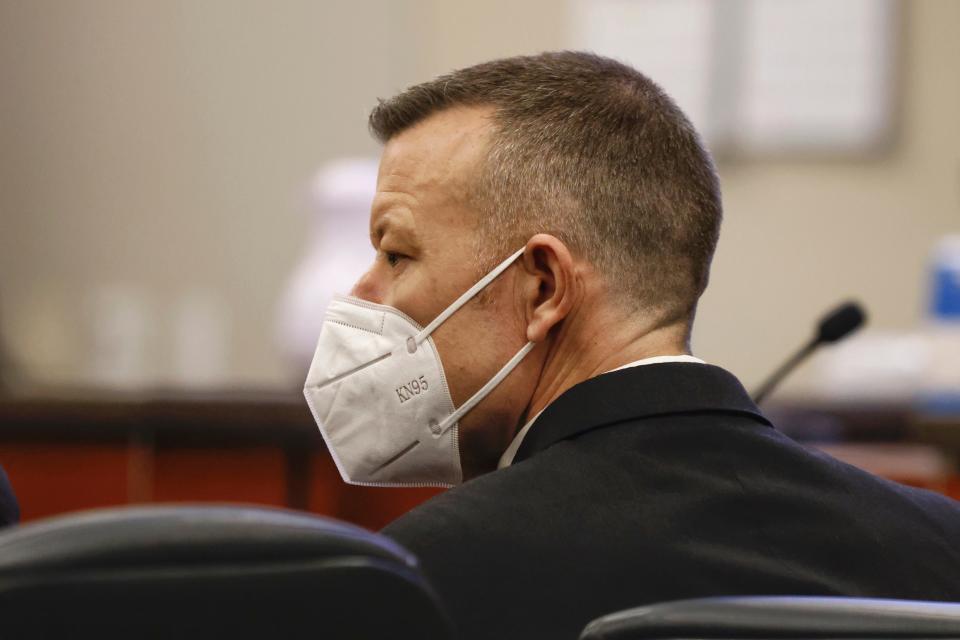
(592, 151)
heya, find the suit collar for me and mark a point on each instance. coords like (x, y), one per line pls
(634, 393)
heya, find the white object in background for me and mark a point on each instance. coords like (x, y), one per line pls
(817, 75)
(874, 366)
(338, 254)
(120, 323)
(46, 343)
(670, 41)
(759, 76)
(201, 331)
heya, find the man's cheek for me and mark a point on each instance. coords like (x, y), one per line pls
(422, 295)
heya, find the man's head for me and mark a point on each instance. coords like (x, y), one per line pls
(592, 152)
(585, 163)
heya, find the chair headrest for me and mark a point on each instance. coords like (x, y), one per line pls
(197, 535)
(198, 572)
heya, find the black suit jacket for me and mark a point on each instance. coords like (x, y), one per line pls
(662, 482)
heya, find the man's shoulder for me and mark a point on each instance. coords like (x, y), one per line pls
(587, 473)
(682, 498)
(620, 471)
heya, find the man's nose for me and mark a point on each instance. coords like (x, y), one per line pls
(366, 288)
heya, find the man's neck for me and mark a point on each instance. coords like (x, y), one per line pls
(579, 355)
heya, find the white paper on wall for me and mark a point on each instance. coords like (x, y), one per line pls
(759, 76)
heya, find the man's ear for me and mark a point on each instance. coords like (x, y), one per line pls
(550, 286)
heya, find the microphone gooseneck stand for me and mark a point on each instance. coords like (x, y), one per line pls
(835, 326)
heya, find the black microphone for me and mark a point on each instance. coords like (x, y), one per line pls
(835, 326)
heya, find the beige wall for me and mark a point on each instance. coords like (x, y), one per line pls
(158, 151)
(161, 149)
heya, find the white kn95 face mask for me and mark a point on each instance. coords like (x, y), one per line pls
(377, 391)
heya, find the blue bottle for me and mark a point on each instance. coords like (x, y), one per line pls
(941, 389)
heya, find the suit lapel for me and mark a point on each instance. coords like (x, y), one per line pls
(638, 392)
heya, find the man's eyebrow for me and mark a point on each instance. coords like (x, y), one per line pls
(385, 221)
(379, 227)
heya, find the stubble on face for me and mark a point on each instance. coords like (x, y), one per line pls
(422, 206)
(423, 213)
(424, 228)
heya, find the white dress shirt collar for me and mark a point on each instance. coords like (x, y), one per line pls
(507, 458)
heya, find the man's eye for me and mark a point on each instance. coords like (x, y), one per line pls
(393, 258)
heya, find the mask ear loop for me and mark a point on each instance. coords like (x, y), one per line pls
(482, 393)
(459, 302)
(414, 342)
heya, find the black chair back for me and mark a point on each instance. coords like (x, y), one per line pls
(209, 572)
(780, 617)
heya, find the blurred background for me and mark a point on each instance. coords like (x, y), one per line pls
(184, 183)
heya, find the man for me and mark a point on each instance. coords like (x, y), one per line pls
(604, 466)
